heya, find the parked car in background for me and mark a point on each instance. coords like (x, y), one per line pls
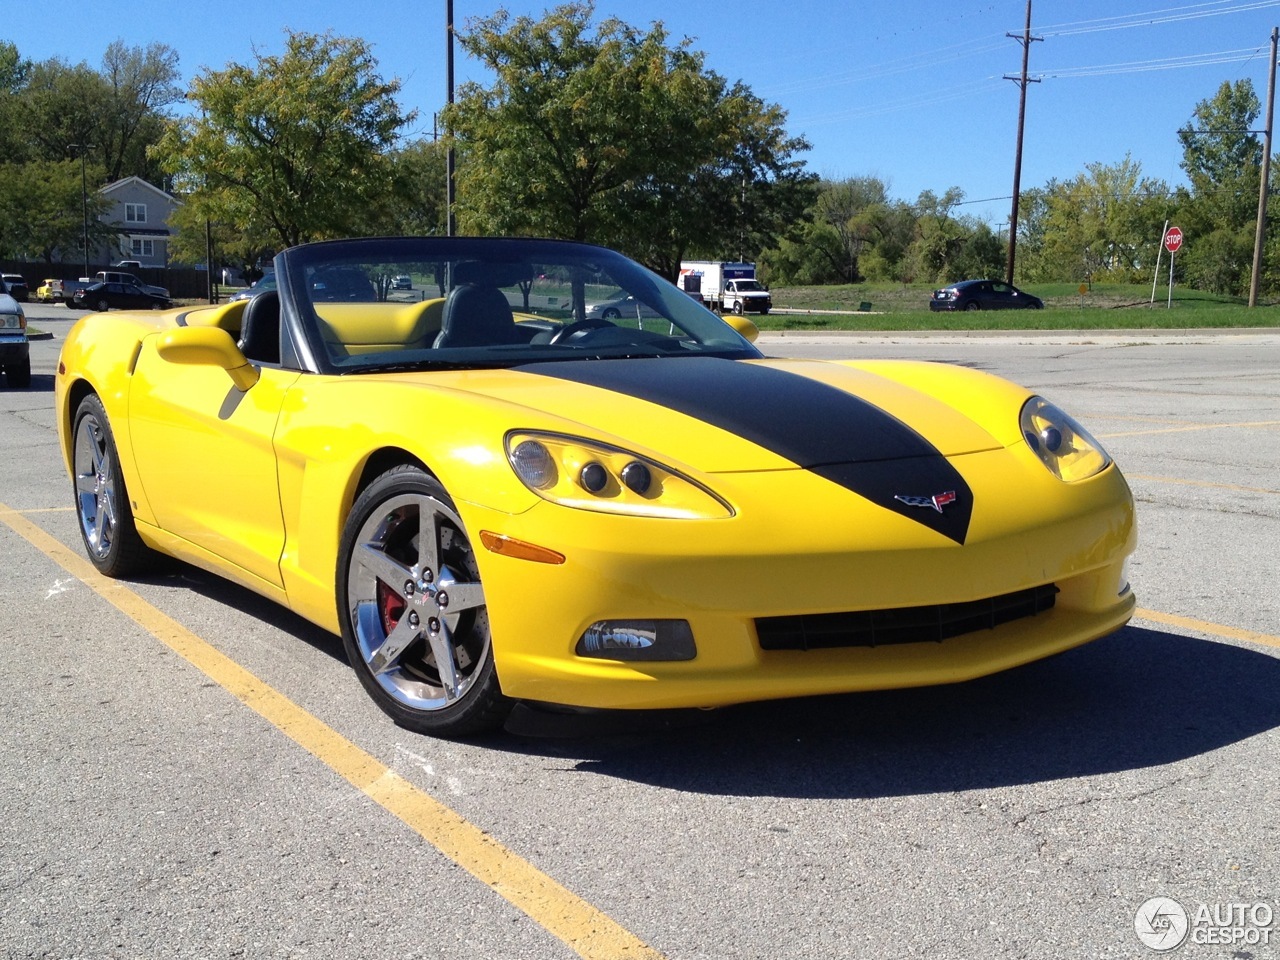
(262, 286)
(622, 306)
(402, 282)
(16, 286)
(128, 279)
(15, 352)
(983, 295)
(49, 291)
(66, 290)
(122, 296)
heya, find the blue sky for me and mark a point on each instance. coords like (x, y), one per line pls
(912, 92)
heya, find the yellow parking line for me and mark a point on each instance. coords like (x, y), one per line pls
(1203, 626)
(1189, 429)
(1208, 484)
(586, 930)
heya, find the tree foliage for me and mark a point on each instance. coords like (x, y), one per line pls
(1104, 224)
(293, 147)
(51, 111)
(1222, 159)
(615, 135)
(41, 213)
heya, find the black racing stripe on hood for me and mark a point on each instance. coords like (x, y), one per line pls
(835, 434)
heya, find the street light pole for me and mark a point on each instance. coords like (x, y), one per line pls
(84, 201)
(450, 197)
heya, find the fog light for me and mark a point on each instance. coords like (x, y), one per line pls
(638, 640)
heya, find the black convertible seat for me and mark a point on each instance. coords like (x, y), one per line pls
(476, 316)
(260, 328)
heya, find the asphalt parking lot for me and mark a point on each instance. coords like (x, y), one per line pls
(192, 772)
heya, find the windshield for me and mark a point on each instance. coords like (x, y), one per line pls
(489, 302)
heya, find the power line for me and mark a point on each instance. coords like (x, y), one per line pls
(1215, 8)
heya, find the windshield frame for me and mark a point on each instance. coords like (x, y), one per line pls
(691, 329)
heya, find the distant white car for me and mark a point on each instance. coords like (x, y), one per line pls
(402, 282)
(621, 307)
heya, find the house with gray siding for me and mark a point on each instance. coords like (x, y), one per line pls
(139, 213)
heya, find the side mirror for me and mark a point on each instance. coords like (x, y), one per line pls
(743, 326)
(208, 346)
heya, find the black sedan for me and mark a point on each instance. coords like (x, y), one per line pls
(983, 295)
(122, 296)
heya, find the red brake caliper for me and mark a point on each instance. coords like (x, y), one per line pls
(391, 605)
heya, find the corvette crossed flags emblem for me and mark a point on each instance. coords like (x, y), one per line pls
(936, 502)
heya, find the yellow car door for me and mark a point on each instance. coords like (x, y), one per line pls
(204, 453)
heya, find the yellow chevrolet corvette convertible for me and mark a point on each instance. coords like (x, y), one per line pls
(493, 496)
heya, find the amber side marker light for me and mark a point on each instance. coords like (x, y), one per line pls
(519, 549)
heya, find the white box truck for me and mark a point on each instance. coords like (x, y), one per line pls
(726, 287)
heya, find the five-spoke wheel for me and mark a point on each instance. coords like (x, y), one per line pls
(414, 620)
(102, 505)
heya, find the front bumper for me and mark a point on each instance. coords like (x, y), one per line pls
(13, 349)
(797, 548)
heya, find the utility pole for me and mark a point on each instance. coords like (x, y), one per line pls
(1259, 235)
(449, 157)
(1026, 40)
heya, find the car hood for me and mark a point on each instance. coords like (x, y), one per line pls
(721, 416)
(889, 432)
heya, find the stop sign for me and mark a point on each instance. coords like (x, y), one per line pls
(1173, 240)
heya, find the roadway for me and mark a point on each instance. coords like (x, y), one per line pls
(191, 772)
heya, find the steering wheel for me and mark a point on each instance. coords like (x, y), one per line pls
(578, 326)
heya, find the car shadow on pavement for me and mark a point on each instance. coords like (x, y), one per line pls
(40, 383)
(1139, 698)
(177, 574)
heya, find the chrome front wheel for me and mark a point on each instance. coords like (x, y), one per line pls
(414, 619)
(102, 503)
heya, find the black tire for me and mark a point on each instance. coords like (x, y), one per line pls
(19, 374)
(764, 311)
(737, 308)
(612, 314)
(973, 305)
(101, 500)
(420, 598)
(103, 306)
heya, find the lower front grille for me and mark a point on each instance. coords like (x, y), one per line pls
(875, 628)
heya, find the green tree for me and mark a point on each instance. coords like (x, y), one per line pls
(857, 210)
(1102, 225)
(294, 147)
(1222, 157)
(1222, 160)
(59, 111)
(418, 206)
(614, 135)
(41, 213)
(947, 247)
(140, 83)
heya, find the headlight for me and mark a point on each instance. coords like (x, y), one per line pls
(1062, 445)
(589, 475)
